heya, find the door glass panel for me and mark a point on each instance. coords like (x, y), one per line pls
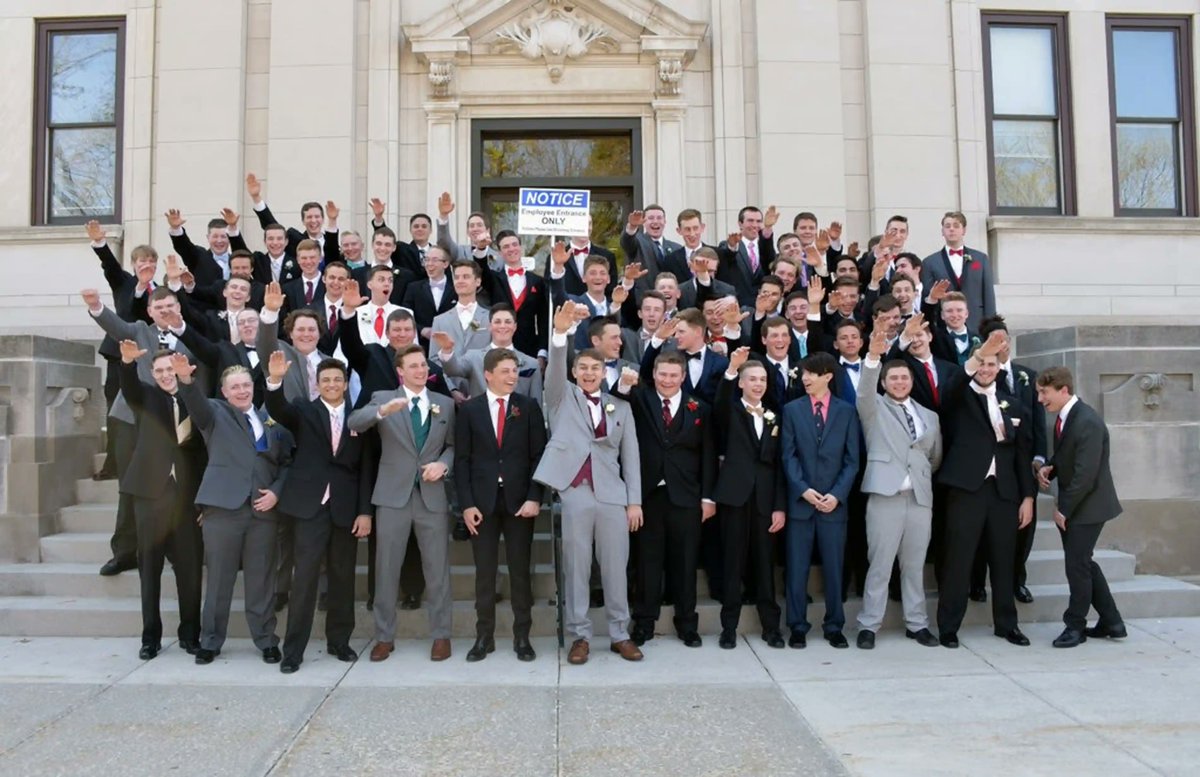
(610, 208)
(562, 157)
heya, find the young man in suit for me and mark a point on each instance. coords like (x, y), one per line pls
(988, 471)
(643, 243)
(594, 301)
(821, 441)
(207, 264)
(467, 321)
(371, 316)
(1086, 500)
(703, 366)
(163, 473)
(409, 256)
(703, 285)
(751, 496)
(309, 287)
(429, 297)
(592, 461)
(775, 348)
(219, 356)
(572, 268)
(416, 429)
(747, 253)
(651, 314)
(311, 213)
(904, 449)
(383, 249)
(526, 292)
(469, 365)
(689, 225)
(677, 449)
(479, 236)
(247, 468)
(277, 262)
(968, 270)
(212, 299)
(499, 439)
(947, 312)
(328, 498)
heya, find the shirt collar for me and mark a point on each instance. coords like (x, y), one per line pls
(493, 397)
(1067, 408)
(339, 410)
(422, 395)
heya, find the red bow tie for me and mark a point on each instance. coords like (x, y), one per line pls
(577, 251)
(956, 252)
(518, 271)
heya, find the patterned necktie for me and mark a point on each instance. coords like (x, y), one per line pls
(819, 418)
(752, 250)
(912, 426)
(666, 413)
(308, 292)
(335, 430)
(332, 317)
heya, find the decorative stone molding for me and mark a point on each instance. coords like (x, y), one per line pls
(555, 34)
(1152, 384)
(670, 73)
(441, 74)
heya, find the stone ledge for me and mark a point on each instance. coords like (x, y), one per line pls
(1085, 225)
(58, 233)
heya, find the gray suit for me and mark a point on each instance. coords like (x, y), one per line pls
(295, 382)
(463, 253)
(898, 521)
(408, 504)
(235, 534)
(638, 247)
(595, 510)
(469, 366)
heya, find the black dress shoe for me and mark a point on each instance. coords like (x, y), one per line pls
(149, 651)
(116, 566)
(206, 656)
(322, 602)
(596, 598)
(105, 474)
(411, 602)
(773, 639)
(272, 655)
(837, 639)
(978, 595)
(797, 640)
(523, 649)
(1069, 638)
(641, 635)
(370, 603)
(482, 646)
(190, 645)
(728, 639)
(691, 639)
(948, 640)
(460, 532)
(866, 639)
(281, 601)
(290, 665)
(1022, 595)
(342, 653)
(1100, 631)
(1015, 637)
(923, 637)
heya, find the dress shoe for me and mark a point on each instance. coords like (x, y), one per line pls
(691, 639)
(481, 648)
(370, 603)
(149, 651)
(322, 602)
(116, 566)
(579, 652)
(627, 650)
(272, 655)
(837, 639)
(290, 665)
(1023, 595)
(1015, 637)
(948, 640)
(978, 595)
(206, 656)
(797, 640)
(1069, 638)
(342, 653)
(523, 649)
(382, 650)
(773, 639)
(105, 474)
(923, 637)
(440, 650)
(866, 639)
(596, 598)
(460, 532)
(411, 602)
(641, 635)
(1101, 631)
(728, 639)
(192, 646)
(281, 601)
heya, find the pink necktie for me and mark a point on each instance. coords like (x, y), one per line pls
(752, 248)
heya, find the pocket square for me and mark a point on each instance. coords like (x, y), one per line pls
(526, 373)
(1016, 422)
(353, 433)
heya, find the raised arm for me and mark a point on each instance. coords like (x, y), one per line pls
(198, 406)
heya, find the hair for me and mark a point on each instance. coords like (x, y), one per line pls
(143, 250)
(657, 207)
(692, 317)
(706, 252)
(688, 213)
(897, 219)
(501, 307)
(241, 253)
(348, 233)
(503, 234)
(666, 275)
(670, 357)
(786, 236)
(493, 357)
(217, 224)
(957, 215)
(895, 364)
(162, 352)
(236, 369)
(874, 241)
(752, 363)
(331, 364)
(336, 264)
(819, 363)
(803, 215)
(795, 295)
(308, 245)
(306, 207)
(436, 250)
(385, 232)
(1057, 378)
(593, 260)
(884, 304)
(378, 269)
(903, 278)
(747, 209)
(466, 263)
(590, 353)
(784, 260)
(274, 228)
(416, 216)
(773, 280)
(844, 282)
(954, 296)
(597, 325)
(290, 321)
(773, 322)
(992, 324)
(846, 258)
(161, 292)
(398, 315)
(238, 279)
(398, 359)
(478, 213)
(847, 323)
(652, 294)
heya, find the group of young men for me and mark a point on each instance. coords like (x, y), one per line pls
(771, 400)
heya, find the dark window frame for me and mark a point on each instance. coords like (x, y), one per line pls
(1057, 22)
(45, 30)
(1186, 142)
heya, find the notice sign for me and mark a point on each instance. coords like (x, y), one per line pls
(559, 212)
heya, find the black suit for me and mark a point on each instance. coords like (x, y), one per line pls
(480, 464)
(750, 486)
(676, 263)
(266, 218)
(261, 262)
(220, 355)
(573, 283)
(323, 530)
(199, 260)
(162, 477)
(418, 297)
(710, 373)
(294, 293)
(533, 312)
(1087, 498)
(733, 267)
(211, 298)
(376, 366)
(402, 277)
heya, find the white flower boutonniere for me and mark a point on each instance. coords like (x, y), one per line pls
(289, 264)
(223, 315)
(769, 417)
(474, 327)
(794, 373)
(1004, 404)
(435, 409)
(270, 422)
(1024, 378)
(610, 408)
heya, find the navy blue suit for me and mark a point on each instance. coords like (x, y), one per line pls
(829, 465)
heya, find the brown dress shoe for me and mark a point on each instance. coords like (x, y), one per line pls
(440, 650)
(382, 650)
(579, 652)
(628, 650)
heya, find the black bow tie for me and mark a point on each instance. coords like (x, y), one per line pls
(697, 355)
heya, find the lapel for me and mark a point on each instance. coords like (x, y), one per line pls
(832, 413)
(323, 421)
(954, 279)
(1067, 427)
(654, 409)
(405, 422)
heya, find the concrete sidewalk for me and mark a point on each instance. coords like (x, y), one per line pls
(75, 706)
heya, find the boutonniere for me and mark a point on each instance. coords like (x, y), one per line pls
(288, 264)
(1024, 378)
(1004, 404)
(474, 327)
(693, 405)
(514, 411)
(223, 315)
(533, 289)
(975, 343)
(769, 417)
(794, 373)
(610, 408)
(270, 422)
(697, 422)
(364, 317)
(976, 266)
(432, 378)
(395, 271)
(435, 409)
(353, 433)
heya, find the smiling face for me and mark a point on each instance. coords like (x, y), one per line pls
(305, 334)
(753, 382)
(241, 267)
(954, 313)
(503, 326)
(414, 371)
(751, 224)
(238, 390)
(336, 277)
(309, 260)
(466, 283)
(502, 379)
(691, 231)
(668, 377)
(986, 374)
(595, 277)
(791, 248)
(276, 240)
(898, 382)
(511, 251)
(164, 311)
(796, 313)
(218, 239)
(164, 374)
(236, 292)
(312, 220)
(436, 263)
(889, 321)
(420, 229)
(331, 383)
(920, 344)
(848, 342)
(1054, 400)
(655, 222)
(669, 288)
(589, 373)
(807, 230)
(777, 340)
(476, 228)
(247, 323)
(401, 333)
(352, 247)
(609, 342)
(382, 247)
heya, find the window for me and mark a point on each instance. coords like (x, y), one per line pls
(602, 155)
(1029, 128)
(1154, 150)
(78, 111)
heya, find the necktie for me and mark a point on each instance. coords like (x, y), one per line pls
(658, 252)
(933, 389)
(499, 421)
(420, 431)
(517, 271)
(780, 382)
(335, 430)
(332, 317)
(602, 427)
(912, 427)
(666, 413)
(752, 249)
(598, 430)
(379, 322)
(1057, 428)
(260, 441)
(183, 424)
(802, 344)
(819, 418)
(308, 292)
(163, 338)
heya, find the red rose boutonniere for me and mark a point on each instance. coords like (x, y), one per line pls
(514, 411)
(693, 405)
(976, 266)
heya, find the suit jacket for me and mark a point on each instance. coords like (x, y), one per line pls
(400, 462)
(970, 444)
(694, 295)
(616, 473)
(236, 469)
(478, 335)
(405, 255)
(418, 297)
(211, 298)
(295, 382)
(892, 454)
(157, 450)
(401, 278)
(122, 284)
(469, 365)
(949, 375)
(266, 218)
(261, 260)
(750, 464)
(376, 366)
(199, 260)
(293, 295)
(480, 463)
(710, 374)
(572, 282)
(463, 253)
(634, 346)
(676, 263)
(734, 268)
(683, 454)
(976, 282)
(221, 355)
(638, 247)
(828, 465)
(1086, 493)
(349, 474)
(533, 314)
(943, 345)
(1025, 389)
(815, 340)
(793, 384)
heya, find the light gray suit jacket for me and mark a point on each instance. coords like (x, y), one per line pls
(892, 454)
(400, 462)
(464, 339)
(295, 382)
(469, 365)
(573, 439)
(147, 339)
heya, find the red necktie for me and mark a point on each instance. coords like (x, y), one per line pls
(379, 322)
(499, 421)
(933, 389)
(308, 292)
(1057, 428)
(332, 317)
(667, 413)
(518, 271)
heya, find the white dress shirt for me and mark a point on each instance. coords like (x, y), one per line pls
(994, 414)
(855, 375)
(494, 407)
(466, 314)
(956, 260)
(756, 417)
(1066, 409)
(516, 283)
(438, 290)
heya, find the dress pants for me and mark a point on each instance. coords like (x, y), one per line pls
(829, 536)
(970, 516)
(1086, 580)
(167, 530)
(669, 541)
(747, 541)
(412, 575)
(518, 546)
(316, 539)
(586, 524)
(112, 387)
(713, 560)
(124, 542)
(233, 539)
(855, 561)
(897, 529)
(395, 529)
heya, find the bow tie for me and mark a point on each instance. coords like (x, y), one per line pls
(248, 347)
(961, 338)
(697, 355)
(581, 251)
(956, 252)
(990, 391)
(612, 364)
(856, 366)
(758, 411)
(518, 271)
